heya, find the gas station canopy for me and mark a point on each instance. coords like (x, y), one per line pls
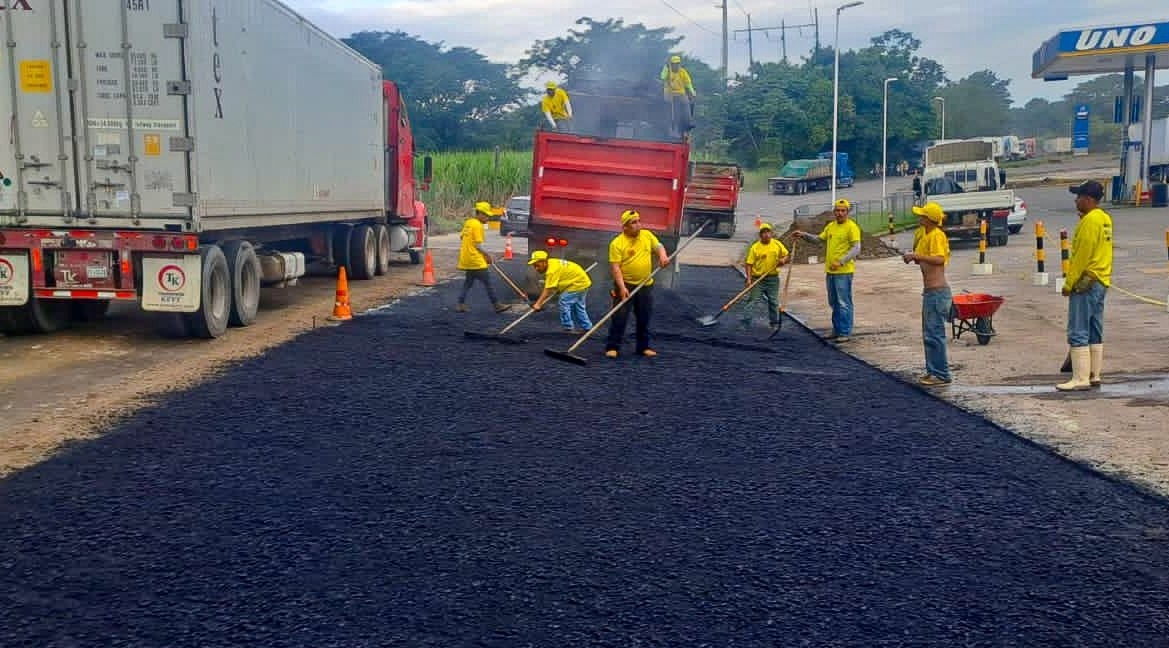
(1101, 50)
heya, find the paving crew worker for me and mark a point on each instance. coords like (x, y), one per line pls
(631, 262)
(764, 259)
(573, 283)
(679, 92)
(1089, 276)
(474, 260)
(931, 252)
(555, 105)
(842, 237)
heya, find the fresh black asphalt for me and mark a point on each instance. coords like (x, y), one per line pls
(390, 482)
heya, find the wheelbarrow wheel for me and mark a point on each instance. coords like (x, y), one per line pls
(983, 330)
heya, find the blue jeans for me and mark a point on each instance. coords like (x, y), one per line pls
(935, 312)
(572, 308)
(1086, 316)
(840, 299)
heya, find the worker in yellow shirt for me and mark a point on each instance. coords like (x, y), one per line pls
(764, 259)
(679, 92)
(474, 261)
(631, 257)
(1086, 284)
(573, 283)
(842, 238)
(931, 252)
(556, 107)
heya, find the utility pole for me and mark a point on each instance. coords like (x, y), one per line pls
(750, 46)
(725, 36)
(782, 29)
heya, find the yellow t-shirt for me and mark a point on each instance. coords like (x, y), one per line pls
(566, 276)
(557, 104)
(677, 83)
(635, 255)
(764, 259)
(934, 243)
(840, 237)
(470, 258)
(1091, 249)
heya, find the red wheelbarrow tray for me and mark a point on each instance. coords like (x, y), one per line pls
(974, 305)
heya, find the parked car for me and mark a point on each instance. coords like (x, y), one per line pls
(1017, 217)
(514, 220)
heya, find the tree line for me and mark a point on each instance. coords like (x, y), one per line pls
(459, 100)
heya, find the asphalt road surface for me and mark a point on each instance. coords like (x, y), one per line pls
(392, 482)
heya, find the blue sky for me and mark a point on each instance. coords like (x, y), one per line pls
(964, 35)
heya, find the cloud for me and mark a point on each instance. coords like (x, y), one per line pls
(963, 35)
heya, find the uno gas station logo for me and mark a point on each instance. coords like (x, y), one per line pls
(171, 278)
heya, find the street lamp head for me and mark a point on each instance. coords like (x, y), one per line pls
(890, 79)
(848, 6)
(941, 99)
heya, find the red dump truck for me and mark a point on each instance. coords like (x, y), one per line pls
(618, 157)
(712, 194)
(181, 155)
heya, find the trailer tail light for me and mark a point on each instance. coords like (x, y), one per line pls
(38, 261)
(563, 242)
(177, 243)
(551, 242)
(126, 265)
(1002, 212)
(159, 243)
(192, 243)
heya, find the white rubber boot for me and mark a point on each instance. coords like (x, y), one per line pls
(1096, 352)
(1081, 367)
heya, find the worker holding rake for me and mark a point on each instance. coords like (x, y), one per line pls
(572, 281)
(764, 259)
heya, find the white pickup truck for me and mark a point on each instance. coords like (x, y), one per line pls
(963, 178)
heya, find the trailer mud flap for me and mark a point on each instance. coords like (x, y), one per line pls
(14, 279)
(172, 284)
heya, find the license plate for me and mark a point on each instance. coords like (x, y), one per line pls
(97, 272)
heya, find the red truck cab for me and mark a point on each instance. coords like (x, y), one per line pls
(405, 212)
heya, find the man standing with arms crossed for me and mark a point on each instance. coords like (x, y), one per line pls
(842, 238)
(931, 252)
(631, 262)
(764, 259)
(1089, 276)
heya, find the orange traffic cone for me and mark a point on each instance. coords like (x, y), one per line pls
(428, 270)
(507, 254)
(758, 221)
(341, 310)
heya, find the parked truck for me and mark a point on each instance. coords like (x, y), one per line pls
(802, 176)
(1158, 151)
(181, 155)
(964, 179)
(619, 157)
(712, 196)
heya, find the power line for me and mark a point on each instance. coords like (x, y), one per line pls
(742, 9)
(689, 19)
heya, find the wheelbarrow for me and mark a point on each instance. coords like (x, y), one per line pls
(974, 312)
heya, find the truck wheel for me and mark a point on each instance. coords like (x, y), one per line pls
(90, 310)
(211, 320)
(362, 253)
(243, 266)
(382, 235)
(37, 316)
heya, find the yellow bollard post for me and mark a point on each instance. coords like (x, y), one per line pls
(1040, 277)
(1064, 259)
(982, 268)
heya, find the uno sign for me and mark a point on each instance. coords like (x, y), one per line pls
(1117, 37)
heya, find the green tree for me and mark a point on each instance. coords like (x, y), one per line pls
(977, 106)
(605, 49)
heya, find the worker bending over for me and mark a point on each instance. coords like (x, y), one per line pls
(573, 283)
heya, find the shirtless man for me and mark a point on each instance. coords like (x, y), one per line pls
(931, 252)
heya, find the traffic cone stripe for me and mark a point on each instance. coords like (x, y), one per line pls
(341, 309)
(428, 270)
(507, 253)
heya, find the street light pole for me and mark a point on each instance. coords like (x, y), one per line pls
(943, 101)
(885, 141)
(836, 91)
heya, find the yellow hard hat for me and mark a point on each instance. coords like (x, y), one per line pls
(628, 215)
(675, 59)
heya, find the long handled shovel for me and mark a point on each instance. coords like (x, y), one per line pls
(568, 356)
(711, 320)
(519, 291)
(501, 336)
(787, 281)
